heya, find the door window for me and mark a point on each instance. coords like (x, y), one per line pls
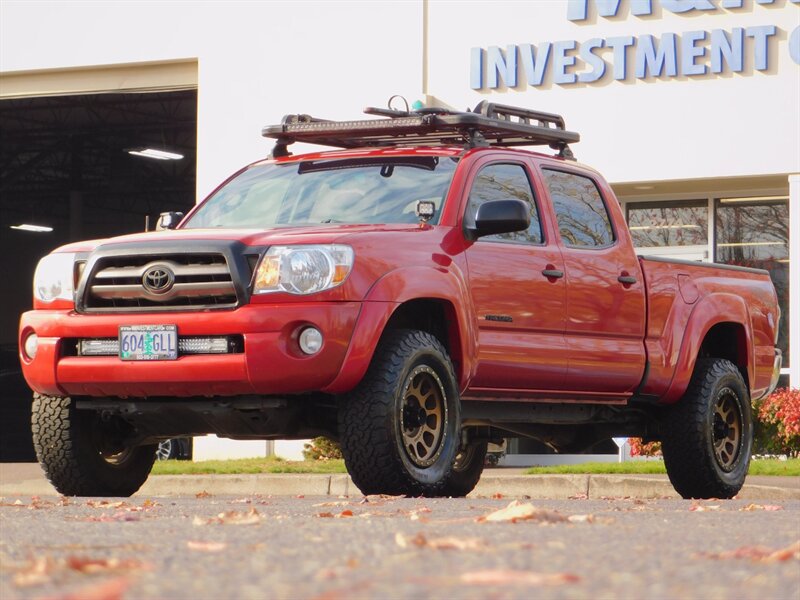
(504, 182)
(583, 220)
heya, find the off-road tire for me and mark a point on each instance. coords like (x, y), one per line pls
(64, 444)
(688, 433)
(371, 424)
(466, 472)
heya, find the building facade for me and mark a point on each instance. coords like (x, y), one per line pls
(690, 108)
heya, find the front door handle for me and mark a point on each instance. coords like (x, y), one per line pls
(626, 279)
(554, 273)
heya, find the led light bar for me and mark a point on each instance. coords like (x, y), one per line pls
(186, 345)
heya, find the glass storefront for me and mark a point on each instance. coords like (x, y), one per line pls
(754, 232)
(666, 224)
(749, 231)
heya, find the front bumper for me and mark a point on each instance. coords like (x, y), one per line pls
(270, 363)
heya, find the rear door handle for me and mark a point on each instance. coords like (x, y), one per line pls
(554, 273)
(626, 279)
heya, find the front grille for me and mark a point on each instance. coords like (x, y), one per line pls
(190, 281)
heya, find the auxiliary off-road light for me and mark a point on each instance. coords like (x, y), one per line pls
(186, 345)
(31, 346)
(310, 340)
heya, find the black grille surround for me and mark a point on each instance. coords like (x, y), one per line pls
(208, 275)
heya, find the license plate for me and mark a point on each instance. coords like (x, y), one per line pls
(148, 342)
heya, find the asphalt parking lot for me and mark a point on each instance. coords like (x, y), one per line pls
(326, 547)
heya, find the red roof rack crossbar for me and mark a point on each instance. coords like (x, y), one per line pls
(488, 125)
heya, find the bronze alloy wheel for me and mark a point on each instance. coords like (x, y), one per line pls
(423, 416)
(465, 457)
(727, 429)
(118, 459)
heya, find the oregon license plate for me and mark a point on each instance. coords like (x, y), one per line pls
(148, 342)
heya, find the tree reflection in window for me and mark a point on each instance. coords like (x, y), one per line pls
(504, 182)
(756, 234)
(662, 224)
(581, 214)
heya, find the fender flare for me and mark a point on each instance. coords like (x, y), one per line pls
(382, 300)
(710, 311)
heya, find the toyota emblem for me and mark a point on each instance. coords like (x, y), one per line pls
(158, 279)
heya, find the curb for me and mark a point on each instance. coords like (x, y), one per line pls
(540, 487)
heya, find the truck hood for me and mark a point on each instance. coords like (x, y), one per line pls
(313, 234)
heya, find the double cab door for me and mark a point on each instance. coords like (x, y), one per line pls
(520, 310)
(560, 307)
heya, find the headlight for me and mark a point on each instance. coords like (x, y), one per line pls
(54, 277)
(303, 269)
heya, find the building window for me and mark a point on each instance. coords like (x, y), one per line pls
(754, 232)
(668, 224)
(583, 220)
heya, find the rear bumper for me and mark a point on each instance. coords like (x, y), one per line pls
(271, 362)
(776, 372)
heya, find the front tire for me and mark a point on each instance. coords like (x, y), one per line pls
(399, 427)
(71, 447)
(707, 437)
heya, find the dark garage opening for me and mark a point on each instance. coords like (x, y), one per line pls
(65, 164)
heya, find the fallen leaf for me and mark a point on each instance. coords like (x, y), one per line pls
(757, 554)
(581, 496)
(111, 589)
(344, 513)
(767, 507)
(325, 515)
(703, 508)
(206, 546)
(118, 516)
(36, 572)
(106, 504)
(231, 517)
(202, 494)
(497, 496)
(101, 565)
(443, 543)
(508, 577)
(517, 511)
(581, 518)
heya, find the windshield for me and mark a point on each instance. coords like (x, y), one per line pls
(383, 190)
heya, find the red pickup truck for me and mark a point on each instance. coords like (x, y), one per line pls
(422, 291)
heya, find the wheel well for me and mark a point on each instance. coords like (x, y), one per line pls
(728, 341)
(435, 316)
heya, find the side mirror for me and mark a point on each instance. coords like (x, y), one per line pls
(168, 220)
(501, 216)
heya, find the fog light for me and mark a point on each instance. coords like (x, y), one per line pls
(31, 346)
(310, 340)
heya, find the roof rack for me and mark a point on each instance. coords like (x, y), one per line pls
(488, 125)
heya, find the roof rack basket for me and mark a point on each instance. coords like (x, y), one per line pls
(488, 125)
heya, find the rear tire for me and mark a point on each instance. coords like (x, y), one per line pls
(707, 437)
(67, 444)
(467, 470)
(399, 427)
